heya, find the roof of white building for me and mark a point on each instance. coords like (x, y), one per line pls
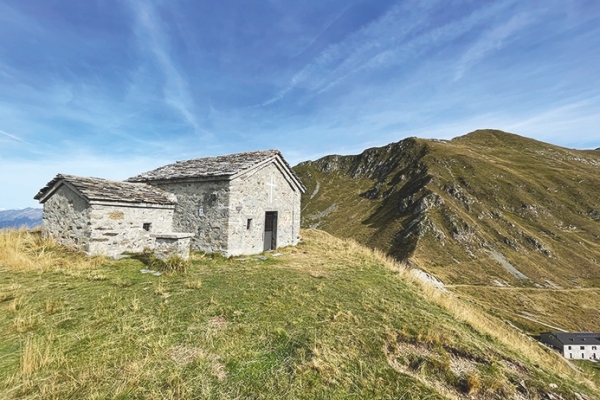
(577, 338)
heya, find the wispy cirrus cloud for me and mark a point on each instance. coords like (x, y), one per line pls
(352, 52)
(557, 122)
(151, 36)
(111, 81)
(12, 136)
(396, 39)
(492, 40)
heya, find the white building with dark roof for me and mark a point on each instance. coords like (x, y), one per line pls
(574, 345)
(243, 203)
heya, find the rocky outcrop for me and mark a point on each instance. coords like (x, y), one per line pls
(448, 203)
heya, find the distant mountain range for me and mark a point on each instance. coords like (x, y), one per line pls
(27, 217)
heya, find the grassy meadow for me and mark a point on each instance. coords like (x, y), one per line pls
(325, 319)
(466, 208)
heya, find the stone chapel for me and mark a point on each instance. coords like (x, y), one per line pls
(243, 203)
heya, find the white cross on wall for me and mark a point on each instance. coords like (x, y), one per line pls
(271, 186)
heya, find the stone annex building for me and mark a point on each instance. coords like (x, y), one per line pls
(242, 203)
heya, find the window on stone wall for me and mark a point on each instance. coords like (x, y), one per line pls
(249, 223)
(146, 226)
(581, 347)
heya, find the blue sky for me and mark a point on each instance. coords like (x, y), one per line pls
(114, 88)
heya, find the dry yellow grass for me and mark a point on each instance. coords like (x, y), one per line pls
(193, 284)
(539, 309)
(23, 250)
(325, 317)
(472, 315)
(35, 354)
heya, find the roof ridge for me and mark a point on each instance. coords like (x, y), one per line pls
(222, 166)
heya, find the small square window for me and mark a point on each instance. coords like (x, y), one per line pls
(146, 226)
(582, 347)
(249, 223)
(569, 347)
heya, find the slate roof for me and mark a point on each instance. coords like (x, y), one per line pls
(209, 167)
(577, 338)
(107, 190)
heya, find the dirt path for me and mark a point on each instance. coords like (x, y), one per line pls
(523, 288)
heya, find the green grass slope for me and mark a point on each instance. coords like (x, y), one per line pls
(325, 319)
(489, 209)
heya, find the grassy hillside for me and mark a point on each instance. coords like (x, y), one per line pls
(484, 211)
(325, 319)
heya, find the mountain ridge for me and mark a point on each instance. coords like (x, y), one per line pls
(489, 208)
(27, 217)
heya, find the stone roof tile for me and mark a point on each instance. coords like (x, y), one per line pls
(208, 167)
(107, 190)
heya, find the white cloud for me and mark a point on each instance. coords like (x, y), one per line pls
(348, 55)
(492, 40)
(398, 37)
(151, 35)
(12, 136)
(557, 124)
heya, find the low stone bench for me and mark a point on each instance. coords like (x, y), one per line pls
(167, 245)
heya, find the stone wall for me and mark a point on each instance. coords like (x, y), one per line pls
(117, 229)
(221, 216)
(202, 208)
(65, 219)
(168, 245)
(252, 195)
(229, 217)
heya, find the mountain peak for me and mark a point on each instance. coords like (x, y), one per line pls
(488, 208)
(492, 137)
